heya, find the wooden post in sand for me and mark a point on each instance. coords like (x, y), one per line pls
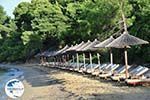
(98, 58)
(73, 58)
(84, 59)
(91, 60)
(77, 60)
(111, 56)
(125, 29)
(126, 62)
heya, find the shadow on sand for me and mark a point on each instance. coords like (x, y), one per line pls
(42, 78)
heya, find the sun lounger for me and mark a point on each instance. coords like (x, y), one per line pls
(72, 66)
(85, 68)
(77, 68)
(82, 68)
(119, 73)
(63, 65)
(68, 65)
(109, 68)
(97, 71)
(107, 73)
(138, 81)
(144, 79)
(135, 73)
(88, 68)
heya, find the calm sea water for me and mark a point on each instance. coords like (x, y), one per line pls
(2, 71)
(2, 83)
(5, 76)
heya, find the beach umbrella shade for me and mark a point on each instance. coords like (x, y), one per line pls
(70, 50)
(43, 55)
(89, 48)
(81, 49)
(74, 48)
(59, 52)
(66, 52)
(124, 41)
(103, 44)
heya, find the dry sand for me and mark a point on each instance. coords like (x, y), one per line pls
(43, 83)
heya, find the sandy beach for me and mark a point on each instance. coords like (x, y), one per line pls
(43, 83)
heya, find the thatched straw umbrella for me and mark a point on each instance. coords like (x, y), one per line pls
(74, 48)
(90, 47)
(51, 54)
(103, 44)
(59, 52)
(71, 49)
(124, 41)
(62, 50)
(81, 49)
(66, 52)
(43, 56)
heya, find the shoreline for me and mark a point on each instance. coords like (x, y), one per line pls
(10, 73)
(42, 83)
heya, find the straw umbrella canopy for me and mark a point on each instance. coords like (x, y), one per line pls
(43, 55)
(90, 47)
(66, 51)
(103, 44)
(81, 48)
(74, 48)
(124, 41)
(59, 52)
(38, 55)
(71, 48)
(62, 50)
(52, 54)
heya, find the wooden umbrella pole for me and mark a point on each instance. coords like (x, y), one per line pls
(84, 59)
(126, 62)
(59, 59)
(68, 59)
(98, 58)
(91, 60)
(111, 56)
(65, 59)
(73, 58)
(77, 60)
(42, 60)
(54, 61)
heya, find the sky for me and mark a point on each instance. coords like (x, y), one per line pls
(9, 5)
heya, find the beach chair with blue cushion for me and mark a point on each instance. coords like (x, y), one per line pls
(143, 80)
(97, 70)
(119, 73)
(109, 71)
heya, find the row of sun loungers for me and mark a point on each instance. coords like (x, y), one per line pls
(116, 72)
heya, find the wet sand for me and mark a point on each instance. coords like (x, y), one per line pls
(43, 83)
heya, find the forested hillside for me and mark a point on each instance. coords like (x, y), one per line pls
(51, 24)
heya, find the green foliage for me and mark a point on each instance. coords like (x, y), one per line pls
(3, 15)
(44, 24)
